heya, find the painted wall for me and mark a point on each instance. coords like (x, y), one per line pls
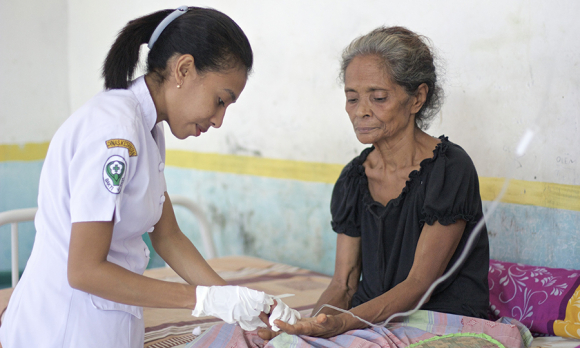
(34, 91)
(34, 101)
(508, 66)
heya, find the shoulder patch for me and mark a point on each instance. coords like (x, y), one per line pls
(122, 143)
(114, 173)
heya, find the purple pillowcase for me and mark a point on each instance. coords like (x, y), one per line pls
(535, 296)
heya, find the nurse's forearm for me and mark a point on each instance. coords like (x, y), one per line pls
(184, 258)
(178, 251)
(88, 270)
(115, 283)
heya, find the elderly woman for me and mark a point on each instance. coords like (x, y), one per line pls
(404, 208)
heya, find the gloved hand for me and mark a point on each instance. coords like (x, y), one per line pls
(233, 304)
(283, 313)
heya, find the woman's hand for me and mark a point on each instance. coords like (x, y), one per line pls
(321, 326)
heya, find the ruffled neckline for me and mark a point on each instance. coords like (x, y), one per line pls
(358, 170)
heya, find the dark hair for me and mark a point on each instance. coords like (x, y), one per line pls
(215, 41)
(408, 60)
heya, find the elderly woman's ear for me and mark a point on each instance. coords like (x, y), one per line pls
(419, 98)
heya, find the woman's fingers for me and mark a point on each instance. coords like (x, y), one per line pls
(301, 327)
(321, 326)
(267, 334)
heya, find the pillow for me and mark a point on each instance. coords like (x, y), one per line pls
(546, 300)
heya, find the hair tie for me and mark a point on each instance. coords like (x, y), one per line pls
(165, 22)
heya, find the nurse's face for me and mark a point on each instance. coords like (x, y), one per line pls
(201, 100)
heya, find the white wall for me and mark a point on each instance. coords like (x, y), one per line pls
(509, 65)
(34, 94)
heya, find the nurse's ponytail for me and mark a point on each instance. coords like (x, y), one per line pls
(215, 41)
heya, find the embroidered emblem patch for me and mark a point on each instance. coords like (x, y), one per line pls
(114, 173)
(122, 143)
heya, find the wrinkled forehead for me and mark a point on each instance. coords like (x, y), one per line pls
(367, 69)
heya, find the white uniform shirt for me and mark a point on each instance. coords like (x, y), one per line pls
(105, 162)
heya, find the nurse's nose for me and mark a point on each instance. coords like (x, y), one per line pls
(218, 119)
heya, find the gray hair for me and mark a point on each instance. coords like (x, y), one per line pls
(408, 60)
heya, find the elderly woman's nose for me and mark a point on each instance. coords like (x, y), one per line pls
(363, 108)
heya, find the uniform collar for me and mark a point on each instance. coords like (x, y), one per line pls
(139, 88)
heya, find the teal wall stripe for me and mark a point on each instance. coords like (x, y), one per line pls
(18, 189)
(275, 219)
(289, 220)
(535, 235)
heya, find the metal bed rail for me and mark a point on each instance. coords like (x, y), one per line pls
(13, 217)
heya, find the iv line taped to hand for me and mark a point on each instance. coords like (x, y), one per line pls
(520, 151)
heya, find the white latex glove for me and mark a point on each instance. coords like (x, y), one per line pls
(233, 304)
(252, 324)
(283, 313)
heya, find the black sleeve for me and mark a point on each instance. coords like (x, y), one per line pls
(452, 191)
(344, 205)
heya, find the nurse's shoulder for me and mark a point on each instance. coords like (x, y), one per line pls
(115, 108)
(111, 114)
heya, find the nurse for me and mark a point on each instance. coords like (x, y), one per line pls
(102, 187)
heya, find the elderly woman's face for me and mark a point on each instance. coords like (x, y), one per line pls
(378, 108)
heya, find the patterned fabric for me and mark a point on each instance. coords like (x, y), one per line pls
(459, 341)
(418, 328)
(546, 300)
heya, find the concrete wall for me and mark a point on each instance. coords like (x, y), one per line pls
(34, 101)
(265, 177)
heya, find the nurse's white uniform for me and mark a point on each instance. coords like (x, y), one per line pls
(106, 161)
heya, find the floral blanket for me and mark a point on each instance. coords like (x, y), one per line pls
(423, 329)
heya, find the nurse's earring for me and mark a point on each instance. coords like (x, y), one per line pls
(179, 85)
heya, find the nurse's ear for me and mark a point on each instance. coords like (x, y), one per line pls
(183, 68)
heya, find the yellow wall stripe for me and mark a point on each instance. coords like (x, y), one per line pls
(246, 165)
(26, 152)
(540, 194)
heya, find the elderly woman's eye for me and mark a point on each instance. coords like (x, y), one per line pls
(351, 100)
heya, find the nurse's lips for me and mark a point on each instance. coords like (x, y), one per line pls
(199, 130)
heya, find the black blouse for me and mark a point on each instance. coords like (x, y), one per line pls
(444, 189)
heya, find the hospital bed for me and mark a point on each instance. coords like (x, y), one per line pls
(174, 327)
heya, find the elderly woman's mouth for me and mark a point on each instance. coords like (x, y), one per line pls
(365, 129)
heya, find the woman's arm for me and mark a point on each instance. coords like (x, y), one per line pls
(179, 252)
(435, 248)
(346, 276)
(342, 286)
(89, 270)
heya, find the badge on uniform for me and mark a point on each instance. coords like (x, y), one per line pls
(122, 143)
(114, 173)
